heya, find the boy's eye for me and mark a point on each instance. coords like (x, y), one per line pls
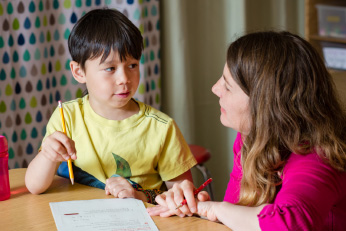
(110, 69)
(134, 65)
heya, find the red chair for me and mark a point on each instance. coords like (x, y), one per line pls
(202, 155)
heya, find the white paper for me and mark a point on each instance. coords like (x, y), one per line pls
(102, 214)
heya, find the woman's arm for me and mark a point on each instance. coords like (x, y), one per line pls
(233, 216)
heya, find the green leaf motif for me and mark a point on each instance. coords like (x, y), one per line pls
(37, 22)
(57, 65)
(2, 43)
(40, 6)
(1, 10)
(26, 56)
(23, 134)
(79, 94)
(68, 95)
(28, 118)
(9, 8)
(49, 37)
(67, 4)
(45, 21)
(33, 102)
(2, 107)
(123, 167)
(8, 90)
(22, 103)
(63, 80)
(62, 19)
(15, 24)
(78, 3)
(43, 69)
(10, 153)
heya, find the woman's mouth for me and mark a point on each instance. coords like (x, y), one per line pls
(222, 110)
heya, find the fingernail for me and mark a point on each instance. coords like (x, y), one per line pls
(193, 209)
(181, 215)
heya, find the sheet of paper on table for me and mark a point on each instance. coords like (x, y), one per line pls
(102, 214)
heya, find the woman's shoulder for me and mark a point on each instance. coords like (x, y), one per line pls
(312, 165)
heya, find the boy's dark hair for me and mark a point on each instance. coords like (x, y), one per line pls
(99, 32)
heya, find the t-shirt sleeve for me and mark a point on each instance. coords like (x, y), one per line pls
(176, 157)
(309, 190)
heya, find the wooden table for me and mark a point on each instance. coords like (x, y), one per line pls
(25, 211)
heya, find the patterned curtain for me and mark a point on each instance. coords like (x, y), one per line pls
(34, 64)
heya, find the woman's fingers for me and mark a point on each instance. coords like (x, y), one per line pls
(161, 200)
(203, 196)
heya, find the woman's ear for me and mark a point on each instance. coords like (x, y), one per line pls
(77, 72)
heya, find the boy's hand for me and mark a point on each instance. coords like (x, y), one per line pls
(119, 187)
(58, 147)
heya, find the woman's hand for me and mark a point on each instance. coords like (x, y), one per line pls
(170, 200)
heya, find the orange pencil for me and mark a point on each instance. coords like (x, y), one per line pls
(69, 161)
(184, 202)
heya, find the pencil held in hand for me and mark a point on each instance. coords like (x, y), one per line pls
(184, 202)
(69, 161)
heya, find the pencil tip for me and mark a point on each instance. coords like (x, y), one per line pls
(72, 181)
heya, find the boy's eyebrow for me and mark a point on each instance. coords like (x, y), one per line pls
(108, 62)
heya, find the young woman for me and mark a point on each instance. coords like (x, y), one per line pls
(290, 152)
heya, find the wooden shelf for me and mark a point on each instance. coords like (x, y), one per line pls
(311, 35)
(327, 39)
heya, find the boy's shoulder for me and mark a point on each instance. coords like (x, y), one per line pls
(151, 112)
(74, 104)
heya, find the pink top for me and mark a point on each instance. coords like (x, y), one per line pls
(312, 197)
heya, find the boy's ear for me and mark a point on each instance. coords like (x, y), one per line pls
(77, 72)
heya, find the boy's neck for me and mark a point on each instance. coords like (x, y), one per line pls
(129, 110)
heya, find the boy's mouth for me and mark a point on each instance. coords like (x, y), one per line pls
(123, 94)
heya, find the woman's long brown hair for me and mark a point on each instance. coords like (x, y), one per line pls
(293, 106)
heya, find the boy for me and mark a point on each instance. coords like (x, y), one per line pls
(124, 146)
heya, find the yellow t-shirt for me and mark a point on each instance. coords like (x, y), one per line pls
(148, 147)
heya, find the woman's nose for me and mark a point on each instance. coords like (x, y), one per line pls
(216, 89)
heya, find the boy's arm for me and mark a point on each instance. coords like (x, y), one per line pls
(40, 174)
(56, 147)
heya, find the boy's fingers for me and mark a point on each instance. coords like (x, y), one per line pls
(67, 144)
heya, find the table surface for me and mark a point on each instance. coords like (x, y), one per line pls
(25, 211)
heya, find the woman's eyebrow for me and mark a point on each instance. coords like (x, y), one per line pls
(226, 80)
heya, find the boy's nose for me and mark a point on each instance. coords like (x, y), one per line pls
(122, 78)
